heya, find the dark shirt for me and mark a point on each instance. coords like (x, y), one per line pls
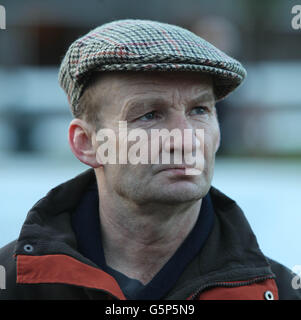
(86, 225)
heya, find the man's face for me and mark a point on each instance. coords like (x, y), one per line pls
(156, 100)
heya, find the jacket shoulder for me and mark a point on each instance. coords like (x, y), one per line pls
(7, 251)
(284, 278)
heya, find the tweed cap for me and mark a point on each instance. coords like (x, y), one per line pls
(143, 45)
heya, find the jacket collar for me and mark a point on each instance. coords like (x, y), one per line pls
(230, 254)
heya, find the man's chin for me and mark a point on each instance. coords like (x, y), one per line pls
(179, 192)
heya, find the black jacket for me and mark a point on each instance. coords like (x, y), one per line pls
(44, 262)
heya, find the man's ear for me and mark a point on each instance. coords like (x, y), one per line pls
(80, 141)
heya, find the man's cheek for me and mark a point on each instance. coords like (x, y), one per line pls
(216, 137)
(217, 142)
(211, 145)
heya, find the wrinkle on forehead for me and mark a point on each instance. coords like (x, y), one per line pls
(114, 90)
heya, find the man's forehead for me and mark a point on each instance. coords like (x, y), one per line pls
(125, 84)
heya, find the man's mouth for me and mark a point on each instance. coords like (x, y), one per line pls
(178, 170)
(174, 169)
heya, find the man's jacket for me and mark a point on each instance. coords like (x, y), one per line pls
(44, 262)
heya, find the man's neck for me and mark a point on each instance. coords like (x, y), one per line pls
(139, 240)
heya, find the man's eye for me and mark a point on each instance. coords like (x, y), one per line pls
(148, 116)
(199, 110)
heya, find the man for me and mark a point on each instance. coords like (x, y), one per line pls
(151, 230)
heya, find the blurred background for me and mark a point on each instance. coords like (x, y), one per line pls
(259, 162)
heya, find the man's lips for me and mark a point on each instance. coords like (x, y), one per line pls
(178, 170)
(175, 168)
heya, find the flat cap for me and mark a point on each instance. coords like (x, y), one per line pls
(143, 45)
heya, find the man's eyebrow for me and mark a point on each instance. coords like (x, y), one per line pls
(134, 106)
(203, 97)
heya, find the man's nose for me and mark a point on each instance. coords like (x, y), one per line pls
(184, 138)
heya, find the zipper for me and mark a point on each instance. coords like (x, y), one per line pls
(229, 285)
